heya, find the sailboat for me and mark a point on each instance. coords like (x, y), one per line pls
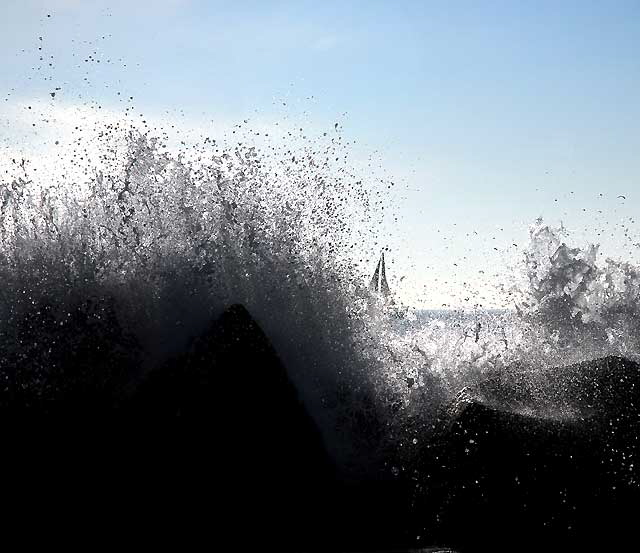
(380, 288)
(379, 282)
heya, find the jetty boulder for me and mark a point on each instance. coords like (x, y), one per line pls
(240, 437)
(533, 459)
(214, 444)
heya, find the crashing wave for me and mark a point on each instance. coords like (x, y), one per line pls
(151, 245)
(141, 246)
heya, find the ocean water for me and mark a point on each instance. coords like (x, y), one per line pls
(145, 244)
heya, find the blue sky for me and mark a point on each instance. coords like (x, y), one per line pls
(487, 114)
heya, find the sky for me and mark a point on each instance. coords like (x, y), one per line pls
(485, 114)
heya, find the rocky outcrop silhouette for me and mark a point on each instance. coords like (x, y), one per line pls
(216, 445)
(241, 430)
(538, 461)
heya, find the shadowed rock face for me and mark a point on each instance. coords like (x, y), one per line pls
(542, 459)
(215, 443)
(230, 405)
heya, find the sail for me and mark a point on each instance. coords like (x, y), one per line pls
(379, 282)
(380, 286)
(373, 285)
(384, 285)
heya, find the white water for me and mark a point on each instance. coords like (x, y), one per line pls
(174, 238)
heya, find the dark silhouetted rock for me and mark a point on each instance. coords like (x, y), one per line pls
(231, 382)
(214, 444)
(541, 460)
(259, 454)
(241, 432)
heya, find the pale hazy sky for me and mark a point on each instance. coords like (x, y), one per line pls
(486, 114)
